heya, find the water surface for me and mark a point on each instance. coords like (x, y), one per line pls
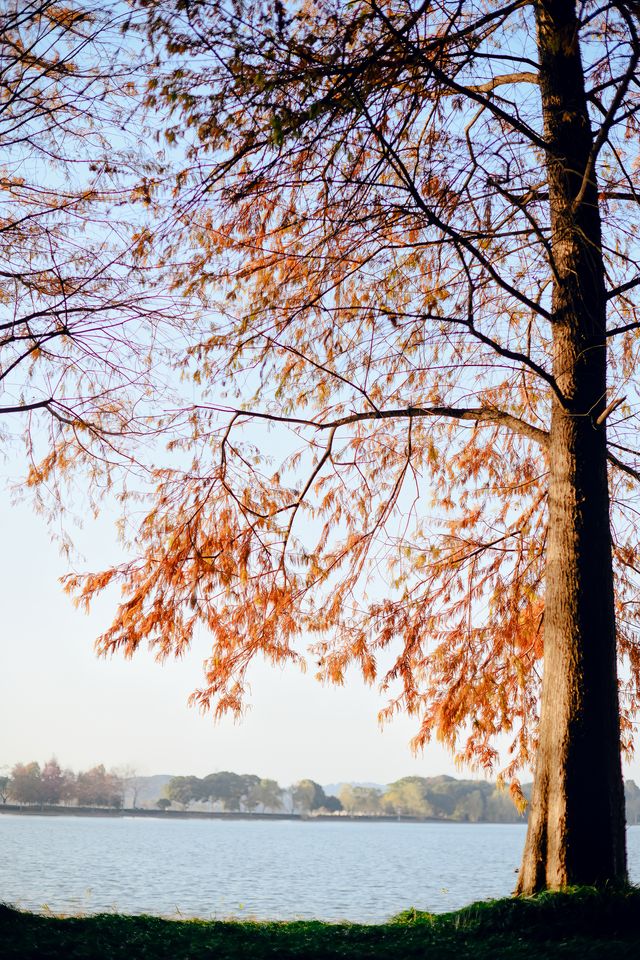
(363, 872)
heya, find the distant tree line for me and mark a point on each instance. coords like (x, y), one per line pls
(440, 798)
(53, 786)
(248, 793)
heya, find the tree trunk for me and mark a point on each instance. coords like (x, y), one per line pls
(576, 829)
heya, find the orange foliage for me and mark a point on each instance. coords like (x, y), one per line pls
(364, 211)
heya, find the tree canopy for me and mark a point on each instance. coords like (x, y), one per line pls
(414, 225)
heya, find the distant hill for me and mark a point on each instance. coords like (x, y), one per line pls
(145, 791)
(333, 789)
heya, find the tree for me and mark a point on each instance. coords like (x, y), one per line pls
(184, 790)
(417, 222)
(472, 807)
(56, 785)
(360, 800)
(132, 784)
(98, 788)
(163, 804)
(308, 796)
(266, 794)
(25, 785)
(409, 797)
(229, 789)
(348, 799)
(304, 795)
(250, 798)
(78, 309)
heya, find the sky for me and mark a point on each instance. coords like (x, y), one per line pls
(58, 698)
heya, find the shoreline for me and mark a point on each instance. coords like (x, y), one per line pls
(137, 812)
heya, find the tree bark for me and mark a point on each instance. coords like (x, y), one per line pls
(576, 831)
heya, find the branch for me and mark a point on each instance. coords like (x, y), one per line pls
(314, 473)
(458, 238)
(609, 410)
(610, 118)
(622, 466)
(475, 414)
(620, 195)
(486, 546)
(509, 354)
(525, 76)
(624, 329)
(24, 407)
(474, 93)
(629, 285)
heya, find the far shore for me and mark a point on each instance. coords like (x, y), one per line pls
(33, 810)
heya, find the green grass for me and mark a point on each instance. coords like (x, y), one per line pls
(582, 923)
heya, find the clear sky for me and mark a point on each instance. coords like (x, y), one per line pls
(57, 697)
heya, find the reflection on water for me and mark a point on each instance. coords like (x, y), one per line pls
(266, 870)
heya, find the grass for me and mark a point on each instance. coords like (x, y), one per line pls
(582, 923)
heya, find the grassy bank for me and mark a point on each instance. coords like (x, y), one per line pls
(578, 924)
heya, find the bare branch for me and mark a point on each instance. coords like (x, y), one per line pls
(623, 466)
(525, 76)
(25, 407)
(611, 294)
(474, 414)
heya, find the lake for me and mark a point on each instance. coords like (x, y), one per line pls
(363, 872)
